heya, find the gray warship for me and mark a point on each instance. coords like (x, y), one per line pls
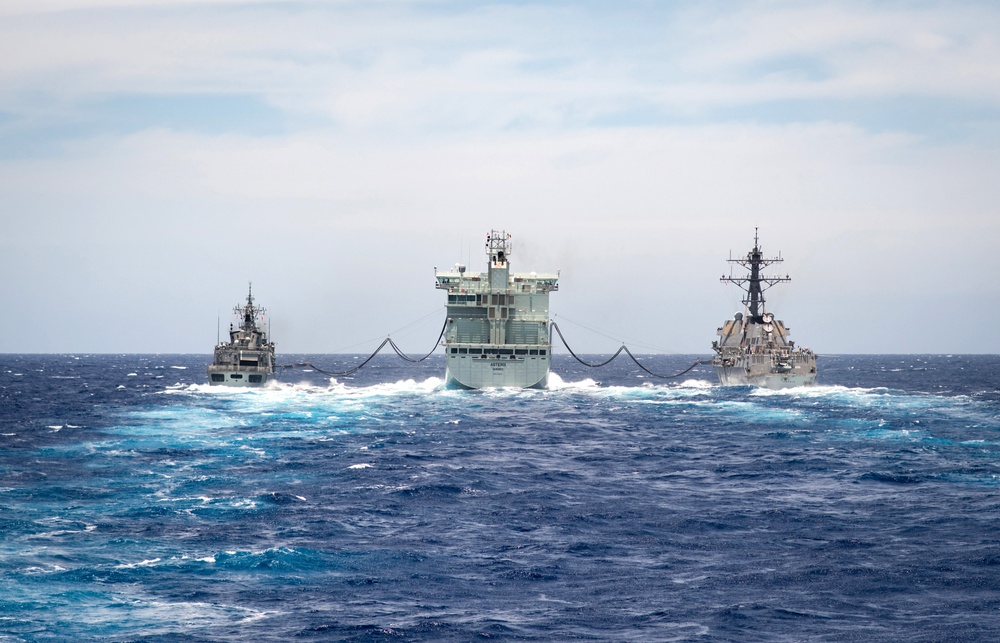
(247, 359)
(497, 333)
(753, 348)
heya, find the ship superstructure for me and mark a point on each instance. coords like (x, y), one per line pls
(247, 359)
(497, 332)
(753, 348)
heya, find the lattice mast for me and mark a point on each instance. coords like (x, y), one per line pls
(248, 313)
(755, 284)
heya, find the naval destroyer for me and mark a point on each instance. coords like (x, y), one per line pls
(247, 359)
(753, 348)
(497, 333)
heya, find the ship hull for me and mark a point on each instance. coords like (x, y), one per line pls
(749, 372)
(732, 376)
(240, 378)
(474, 371)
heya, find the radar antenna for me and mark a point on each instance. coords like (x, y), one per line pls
(752, 284)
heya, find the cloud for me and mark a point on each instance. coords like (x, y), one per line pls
(435, 66)
(148, 148)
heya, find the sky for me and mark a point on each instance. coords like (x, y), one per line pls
(158, 156)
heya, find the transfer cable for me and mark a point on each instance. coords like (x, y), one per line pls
(622, 349)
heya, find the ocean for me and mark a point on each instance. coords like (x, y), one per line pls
(139, 504)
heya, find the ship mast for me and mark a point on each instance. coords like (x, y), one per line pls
(248, 312)
(498, 250)
(752, 284)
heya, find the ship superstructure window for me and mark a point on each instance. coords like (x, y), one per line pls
(454, 351)
(475, 351)
(254, 379)
(218, 377)
(520, 351)
(463, 351)
(533, 351)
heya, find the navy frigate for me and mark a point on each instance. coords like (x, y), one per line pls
(247, 359)
(497, 333)
(753, 348)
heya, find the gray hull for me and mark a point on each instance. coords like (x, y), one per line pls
(769, 370)
(473, 371)
(738, 376)
(234, 377)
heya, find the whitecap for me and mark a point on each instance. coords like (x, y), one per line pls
(557, 383)
(145, 563)
(702, 384)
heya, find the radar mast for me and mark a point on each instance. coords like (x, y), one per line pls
(248, 313)
(752, 284)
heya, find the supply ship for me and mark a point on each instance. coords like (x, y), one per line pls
(497, 333)
(753, 348)
(247, 359)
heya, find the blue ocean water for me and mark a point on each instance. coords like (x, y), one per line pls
(139, 504)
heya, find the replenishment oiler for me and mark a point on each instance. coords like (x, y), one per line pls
(753, 348)
(497, 333)
(247, 359)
